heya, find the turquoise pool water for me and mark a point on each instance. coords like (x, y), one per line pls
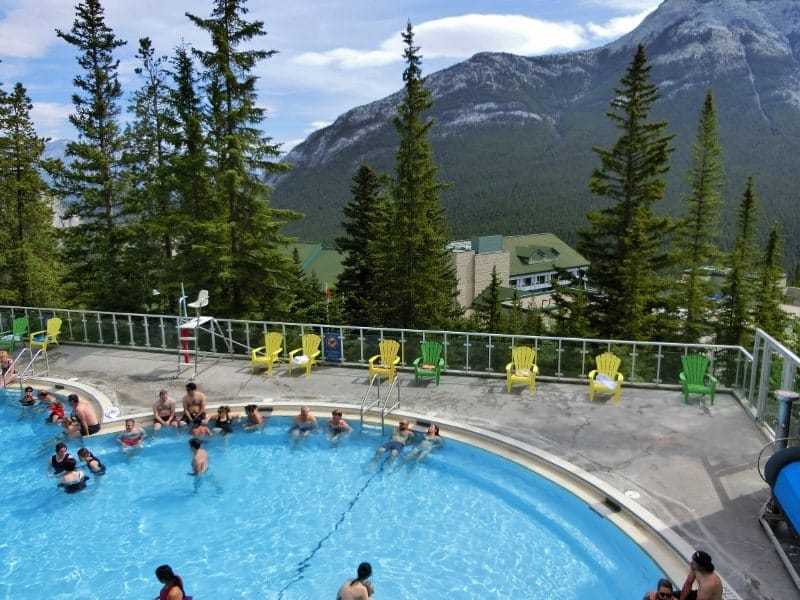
(278, 520)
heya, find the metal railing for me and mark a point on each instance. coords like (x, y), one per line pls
(644, 363)
(774, 367)
(380, 400)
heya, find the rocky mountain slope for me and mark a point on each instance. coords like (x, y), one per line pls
(514, 134)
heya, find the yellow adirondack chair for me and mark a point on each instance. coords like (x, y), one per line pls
(606, 378)
(268, 353)
(522, 368)
(385, 363)
(310, 351)
(41, 339)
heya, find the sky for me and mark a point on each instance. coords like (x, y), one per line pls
(332, 55)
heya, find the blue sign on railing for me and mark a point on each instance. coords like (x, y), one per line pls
(332, 347)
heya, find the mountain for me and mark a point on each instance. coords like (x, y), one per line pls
(513, 135)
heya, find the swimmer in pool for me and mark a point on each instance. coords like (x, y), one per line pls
(199, 457)
(254, 419)
(28, 399)
(304, 424)
(394, 447)
(91, 461)
(133, 436)
(223, 420)
(337, 426)
(429, 443)
(73, 480)
(200, 429)
(61, 455)
(55, 407)
(359, 588)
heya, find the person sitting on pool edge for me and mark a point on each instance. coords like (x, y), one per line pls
(223, 420)
(701, 571)
(57, 460)
(194, 404)
(83, 412)
(304, 423)
(200, 429)
(199, 457)
(133, 436)
(73, 480)
(164, 412)
(359, 588)
(7, 371)
(173, 585)
(94, 464)
(401, 436)
(28, 399)
(337, 426)
(664, 591)
(254, 418)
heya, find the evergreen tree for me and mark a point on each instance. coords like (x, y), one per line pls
(488, 306)
(625, 242)
(150, 204)
(361, 215)
(95, 245)
(424, 280)
(697, 234)
(738, 288)
(571, 314)
(768, 314)
(31, 275)
(256, 275)
(515, 323)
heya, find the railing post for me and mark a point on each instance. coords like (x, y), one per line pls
(85, 330)
(753, 374)
(361, 342)
(69, 324)
(163, 333)
(763, 382)
(230, 337)
(659, 356)
(130, 330)
(114, 328)
(146, 333)
(489, 346)
(633, 363)
(559, 373)
(285, 344)
(583, 358)
(444, 345)
(246, 334)
(341, 344)
(100, 328)
(403, 347)
(466, 345)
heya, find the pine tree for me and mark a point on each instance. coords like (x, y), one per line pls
(95, 245)
(150, 203)
(697, 234)
(31, 276)
(488, 306)
(738, 288)
(515, 323)
(424, 280)
(361, 215)
(571, 314)
(255, 280)
(768, 314)
(625, 242)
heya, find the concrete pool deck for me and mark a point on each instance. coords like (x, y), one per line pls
(692, 466)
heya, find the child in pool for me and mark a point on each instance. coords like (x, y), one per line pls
(94, 464)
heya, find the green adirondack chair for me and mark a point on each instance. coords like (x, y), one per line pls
(10, 339)
(430, 364)
(695, 378)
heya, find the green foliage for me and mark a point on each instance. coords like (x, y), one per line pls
(30, 268)
(768, 314)
(255, 280)
(95, 245)
(739, 287)
(424, 280)
(698, 231)
(571, 317)
(488, 306)
(625, 241)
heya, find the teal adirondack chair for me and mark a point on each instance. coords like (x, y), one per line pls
(431, 363)
(695, 378)
(17, 335)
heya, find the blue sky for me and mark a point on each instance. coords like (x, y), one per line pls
(333, 54)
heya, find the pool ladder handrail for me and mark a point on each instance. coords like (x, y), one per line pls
(29, 368)
(380, 401)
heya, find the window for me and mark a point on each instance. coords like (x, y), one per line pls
(540, 279)
(528, 281)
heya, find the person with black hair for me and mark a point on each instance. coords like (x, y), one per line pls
(28, 399)
(701, 571)
(57, 460)
(94, 464)
(173, 585)
(194, 404)
(253, 418)
(664, 591)
(359, 588)
(199, 457)
(73, 480)
(429, 443)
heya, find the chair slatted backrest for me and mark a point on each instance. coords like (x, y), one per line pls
(695, 367)
(53, 327)
(272, 342)
(388, 351)
(311, 343)
(19, 327)
(608, 364)
(523, 358)
(431, 352)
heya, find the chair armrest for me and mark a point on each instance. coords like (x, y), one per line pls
(256, 351)
(293, 352)
(535, 369)
(276, 352)
(712, 379)
(441, 362)
(396, 360)
(620, 378)
(417, 361)
(592, 374)
(509, 366)
(313, 355)
(373, 359)
(38, 333)
(682, 377)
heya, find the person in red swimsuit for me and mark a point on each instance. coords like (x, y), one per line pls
(173, 585)
(133, 436)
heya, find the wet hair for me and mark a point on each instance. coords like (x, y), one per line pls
(73, 398)
(191, 386)
(197, 421)
(165, 574)
(337, 413)
(70, 464)
(85, 452)
(195, 443)
(43, 393)
(60, 445)
(435, 428)
(250, 408)
(664, 583)
(28, 389)
(703, 561)
(364, 572)
(223, 409)
(132, 421)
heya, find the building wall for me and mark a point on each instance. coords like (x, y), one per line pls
(484, 263)
(465, 272)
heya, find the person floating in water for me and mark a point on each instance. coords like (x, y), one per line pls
(199, 457)
(91, 461)
(337, 426)
(401, 436)
(223, 420)
(359, 588)
(429, 443)
(254, 420)
(73, 480)
(133, 436)
(304, 424)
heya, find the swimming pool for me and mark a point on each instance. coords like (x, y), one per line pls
(278, 520)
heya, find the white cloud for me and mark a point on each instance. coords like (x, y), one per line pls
(460, 37)
(319, 124)
(26, 31)
(50, 118)
(617, 26)
(627, 5)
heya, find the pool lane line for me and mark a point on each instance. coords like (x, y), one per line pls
(306, 562)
